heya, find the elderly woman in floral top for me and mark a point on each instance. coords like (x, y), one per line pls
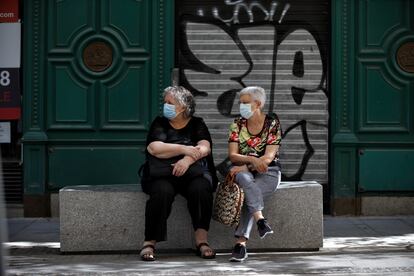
(254, 141)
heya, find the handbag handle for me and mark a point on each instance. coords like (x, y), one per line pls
(229, 179)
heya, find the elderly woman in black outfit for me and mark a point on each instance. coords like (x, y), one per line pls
(178, 134)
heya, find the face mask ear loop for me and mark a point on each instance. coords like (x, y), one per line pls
(178, 112)
(258, 106)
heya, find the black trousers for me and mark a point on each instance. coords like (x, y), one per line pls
(198, 192)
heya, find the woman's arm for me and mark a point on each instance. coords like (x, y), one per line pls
(270, 153)
(240, 159)
(236, 158)
(167, 150)
(182, 165)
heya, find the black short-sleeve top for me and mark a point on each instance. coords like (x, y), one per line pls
(195, 131)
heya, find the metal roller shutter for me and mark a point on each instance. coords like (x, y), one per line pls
(288, 59)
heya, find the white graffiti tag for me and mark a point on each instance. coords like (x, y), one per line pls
(248, 8)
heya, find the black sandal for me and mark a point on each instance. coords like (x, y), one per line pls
(204, 256)
(146, 257)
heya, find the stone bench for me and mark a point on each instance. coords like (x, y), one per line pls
(111, 218)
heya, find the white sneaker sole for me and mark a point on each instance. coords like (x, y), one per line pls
(232, 259)
(267, 233)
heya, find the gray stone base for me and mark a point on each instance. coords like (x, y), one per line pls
(111, 218)
(387, 206)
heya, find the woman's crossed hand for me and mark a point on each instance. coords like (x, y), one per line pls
(181, 166)
(193, 152)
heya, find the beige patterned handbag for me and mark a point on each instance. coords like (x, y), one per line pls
(228, 202)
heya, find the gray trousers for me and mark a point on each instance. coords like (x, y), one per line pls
(257, 187)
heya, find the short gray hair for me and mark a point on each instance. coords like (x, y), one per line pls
(256, 92)
(183, 97)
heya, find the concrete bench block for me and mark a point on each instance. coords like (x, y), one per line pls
(112, 218)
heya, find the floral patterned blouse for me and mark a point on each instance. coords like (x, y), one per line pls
(255, 145)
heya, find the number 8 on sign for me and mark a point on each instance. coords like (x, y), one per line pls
(4, 78)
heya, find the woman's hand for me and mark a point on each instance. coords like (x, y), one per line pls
(192, 152)
(259, 164)
(181, 166)
(236, 169)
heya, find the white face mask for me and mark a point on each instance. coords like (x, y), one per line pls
(246, 110)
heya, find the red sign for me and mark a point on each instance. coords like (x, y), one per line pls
(9, 11)
(9, 70)
(9, 94)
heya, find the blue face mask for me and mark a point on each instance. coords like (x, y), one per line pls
(246, 110)
(169, 111)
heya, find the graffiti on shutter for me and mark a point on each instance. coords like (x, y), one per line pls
(281, 46)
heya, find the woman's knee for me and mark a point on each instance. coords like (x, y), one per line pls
(244, 178)
(199, 186)
(269, 182)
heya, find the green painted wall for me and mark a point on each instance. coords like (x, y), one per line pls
(85, 127)
(372, 124)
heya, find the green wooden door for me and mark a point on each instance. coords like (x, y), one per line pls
(373, 100)
(385, 95)
(94, 71)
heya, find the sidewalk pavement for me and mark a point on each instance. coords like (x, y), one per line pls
(352, 246)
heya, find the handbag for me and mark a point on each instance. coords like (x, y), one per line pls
(155, 167)
(162, 167)
(228, 202)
